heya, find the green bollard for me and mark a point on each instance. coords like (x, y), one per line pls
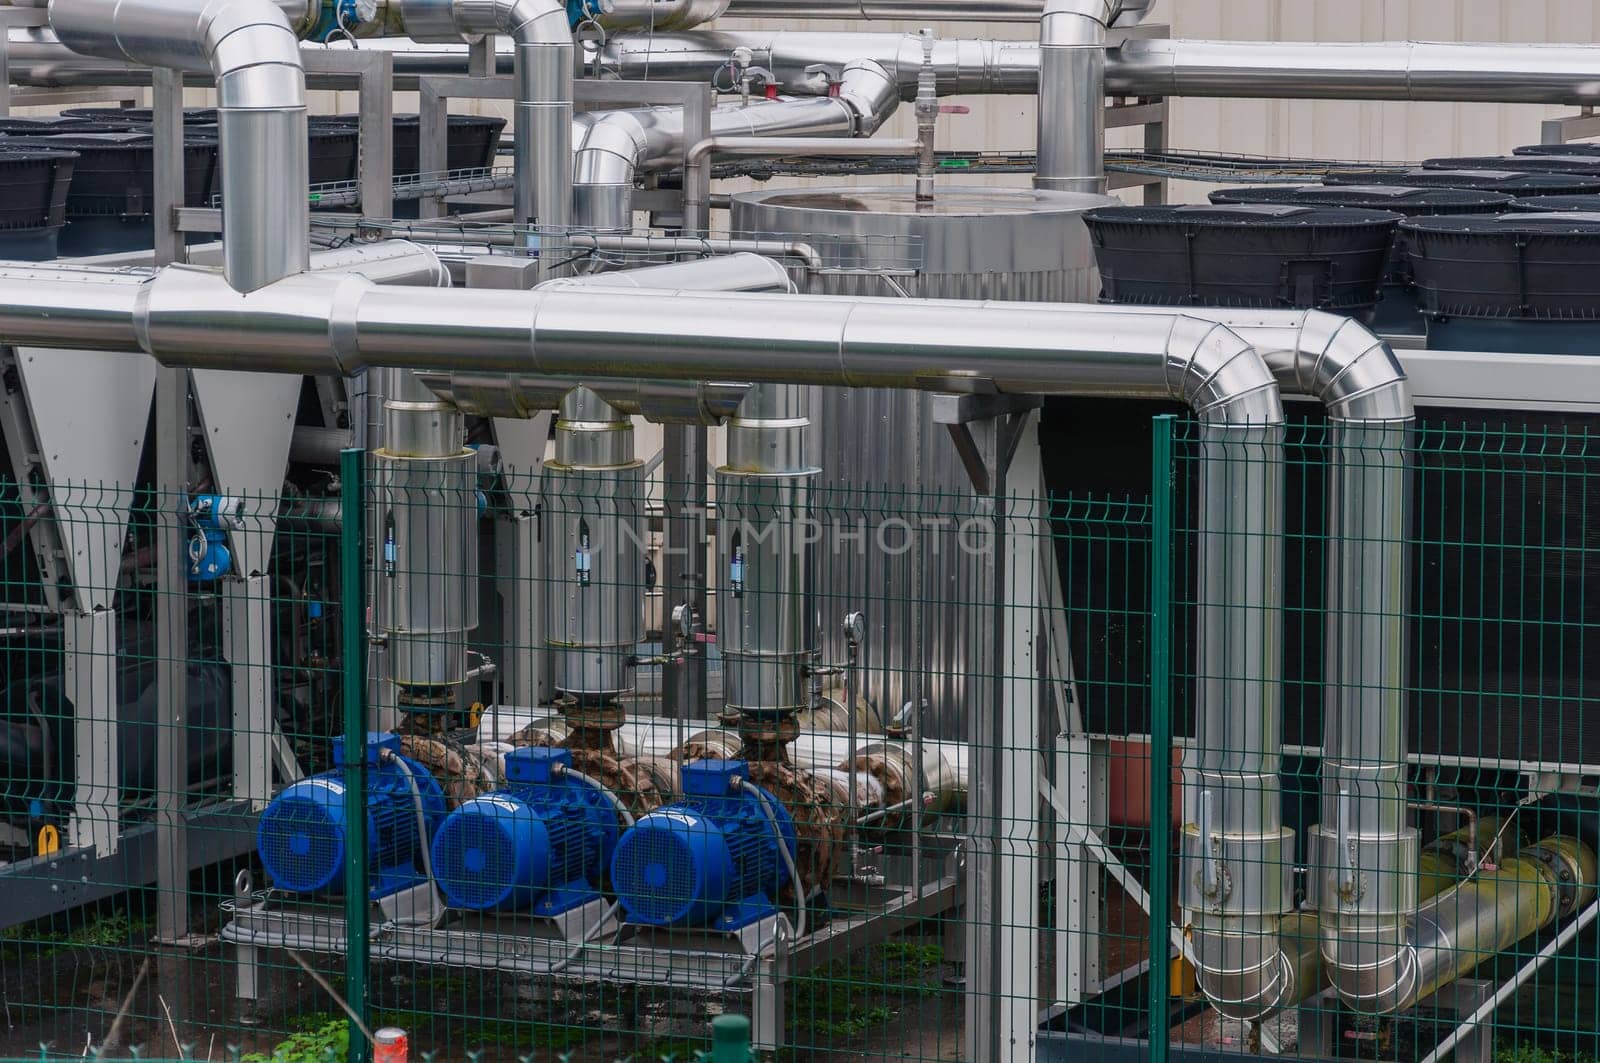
(730, 1039)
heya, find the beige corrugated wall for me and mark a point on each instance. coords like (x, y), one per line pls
(1368, 130)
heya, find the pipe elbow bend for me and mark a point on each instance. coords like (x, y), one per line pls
(1352, 371)
(870, 92)
(534, 22)
(1220, 376)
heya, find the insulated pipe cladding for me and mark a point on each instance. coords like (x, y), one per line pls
(592, 508)
(250, 49)
(426, 512)
(1361, 384)
(763, 499)
(542, 39)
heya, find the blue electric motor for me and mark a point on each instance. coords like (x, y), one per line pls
(542, 840)
(711, 859)
(301, 836)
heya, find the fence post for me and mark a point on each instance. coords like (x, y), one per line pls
(353, 644)
(1163, 485)
(730, 1039)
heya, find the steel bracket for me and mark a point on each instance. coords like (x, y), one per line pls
(1004, 415)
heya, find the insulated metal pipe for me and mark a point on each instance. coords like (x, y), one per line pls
(742, 272)
(1072, 90)
(765, 629)
(1377, 70)
(1357, 378)
(340, 324)
(1457, 930)
(619, 144)
(425, 523)
(592, 499)
(543, 46)
(252, 53)
(399, 262)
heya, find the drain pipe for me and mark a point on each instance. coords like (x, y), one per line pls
(542, 37)
(250, 49)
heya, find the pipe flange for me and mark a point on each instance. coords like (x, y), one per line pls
(1564, 871)
(604, 716)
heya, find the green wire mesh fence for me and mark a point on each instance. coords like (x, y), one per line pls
(1281, 747)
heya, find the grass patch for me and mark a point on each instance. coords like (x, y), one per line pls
(38, 941)
(328, 1041)
(1528, 1052)
(862, 993)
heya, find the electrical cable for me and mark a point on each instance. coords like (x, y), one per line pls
(437, 907)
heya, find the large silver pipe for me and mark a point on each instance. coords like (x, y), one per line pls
(654, 14)
(1360, 382)
(1072, 89)
(425, 524)
(619, 144)
(742, 272)
(765, 629)
(543, 46)
(1392, 70)
(808, 62)
(870, 10)
(1378, 70)
(1127, 13)
(343, 323)
(252, 53)
(399, 262)
(593, 506)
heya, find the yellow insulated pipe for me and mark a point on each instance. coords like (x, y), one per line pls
(1459, 928)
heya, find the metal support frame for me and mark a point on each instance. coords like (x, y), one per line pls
(684, 694)
(76, 875)
(434, 94)
(89, 676)
(997, 438)
(172, 483)
(1559, 130)
(1151, 112)
(258, 745)
(706, 961)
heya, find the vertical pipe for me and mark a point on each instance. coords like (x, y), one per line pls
(684, 563)
(353, 690)
(1072, 75)
(1238, 856)
(592, 501)
(763, 494)
(1163, 483)
(172, 475)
